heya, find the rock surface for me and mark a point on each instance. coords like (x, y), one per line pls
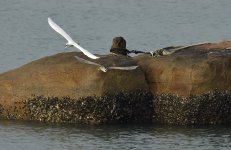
(59, 88)
(62, 75)
(190, 71)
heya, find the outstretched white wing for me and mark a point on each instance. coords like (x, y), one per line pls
(104, 69)
(86, 61)
(69, 39)
(60, 30)
(124, 68)
(90, 55)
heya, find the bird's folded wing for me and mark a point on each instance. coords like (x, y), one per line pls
(86, 61)
(59, 30)
(124, 68)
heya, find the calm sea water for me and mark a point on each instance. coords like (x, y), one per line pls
(36, 136)
(146, 25)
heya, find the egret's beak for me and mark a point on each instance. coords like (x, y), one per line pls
(67, 46)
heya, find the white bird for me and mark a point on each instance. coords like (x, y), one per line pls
(103, 68)
(70, 41)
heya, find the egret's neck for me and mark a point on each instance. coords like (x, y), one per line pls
(68, 45)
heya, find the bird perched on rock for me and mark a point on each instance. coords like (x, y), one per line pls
(119, 47)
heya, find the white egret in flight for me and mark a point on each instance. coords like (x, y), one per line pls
(70, 41)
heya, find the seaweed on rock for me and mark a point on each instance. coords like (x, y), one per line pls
(134, 107)
(119, 107)
(209, 108)
(1, 111)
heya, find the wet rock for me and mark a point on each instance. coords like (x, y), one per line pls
(209, 108)
(118, 107)
(1, 111)
(212, 108)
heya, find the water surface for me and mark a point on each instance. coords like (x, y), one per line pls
(146, 25)
(28, 135)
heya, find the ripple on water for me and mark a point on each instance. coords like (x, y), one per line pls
(30, 135)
